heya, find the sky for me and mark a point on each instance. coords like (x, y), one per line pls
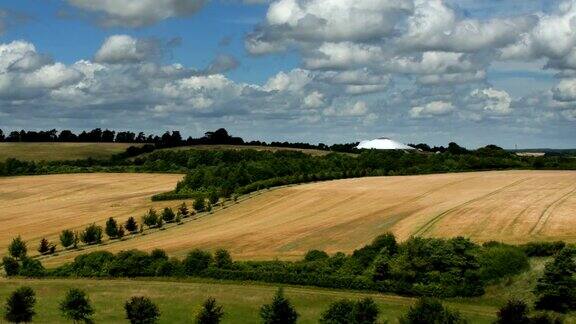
(475, 72)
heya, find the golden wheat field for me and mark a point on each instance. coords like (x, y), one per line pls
(43, 206)
(342, 215)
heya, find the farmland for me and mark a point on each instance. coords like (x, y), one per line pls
(59, 151)
(509, 206)
(43, 206)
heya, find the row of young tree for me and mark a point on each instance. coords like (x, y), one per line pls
(76, 306)
(93, 234)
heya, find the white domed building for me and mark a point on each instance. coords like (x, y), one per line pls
(383, 143)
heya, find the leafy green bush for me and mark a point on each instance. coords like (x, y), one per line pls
(542, 249)
(196, 262)
(499, 261)
(556, 290)
(351, 312)
(92, 234)
(141, 310)
(315, 255)
(427, 311)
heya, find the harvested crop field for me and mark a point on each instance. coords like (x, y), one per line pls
(509, 206)
(60, 151)
(39, 206)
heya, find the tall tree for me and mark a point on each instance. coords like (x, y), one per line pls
(111, 228)
(20, 306)
(76, 306)
(141, 310)
(280, 311)
(211, 312)
(67, 238)
(17, 248)
(168, 215)
(44, 246)
(556, 290)
(131, 225)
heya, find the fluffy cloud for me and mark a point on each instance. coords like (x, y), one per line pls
(136, 13)
(435, 108)
(126, 49)
(494, 101)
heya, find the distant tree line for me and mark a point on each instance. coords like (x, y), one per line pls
(168, 139)
(227, 172)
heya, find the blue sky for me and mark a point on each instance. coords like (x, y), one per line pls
(475, 72)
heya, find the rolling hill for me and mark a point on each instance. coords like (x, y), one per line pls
(342, 215)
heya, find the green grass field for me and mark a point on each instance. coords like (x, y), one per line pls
(59, 151)
(180, 301)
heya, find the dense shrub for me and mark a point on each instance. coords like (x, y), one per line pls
(431, 311)
(92, 234)
(499, 261)
(196, 262)
(556, 290)
(67, 238)
(419, 267)
(315, 255)
(94, 264)
(437, 267)
(31, 268)
(514, 312)
(351, 312)
(141, 310)
(222, 259)
(542, 249)
(168, 215)
(11, 266)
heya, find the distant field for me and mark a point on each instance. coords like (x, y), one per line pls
(38, 206)
(342, 215)
(59, 151)
(180, 301)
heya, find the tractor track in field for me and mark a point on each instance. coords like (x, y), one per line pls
(547, 213)
(426, 227)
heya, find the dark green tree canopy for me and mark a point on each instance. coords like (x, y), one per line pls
(17, 248)
(76, 306)
(20, 306)
(211, 312)
(141, 310)
(280, 311)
